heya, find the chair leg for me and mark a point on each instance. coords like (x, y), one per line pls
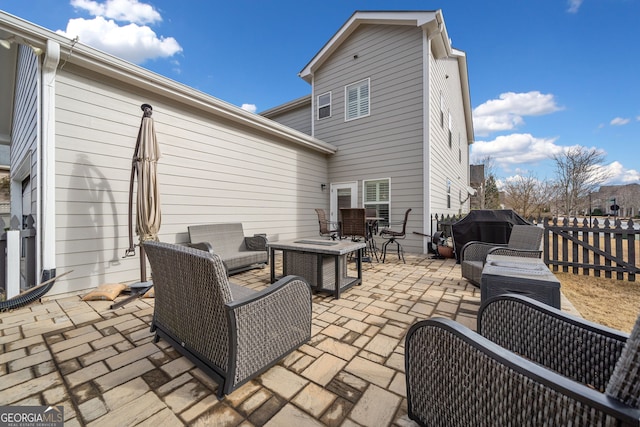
(384, 248)
(371, 247)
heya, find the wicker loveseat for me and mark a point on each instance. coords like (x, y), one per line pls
(530, 365)
(230, 332)
(238, 253)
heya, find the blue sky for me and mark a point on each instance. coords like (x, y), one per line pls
(545, 75)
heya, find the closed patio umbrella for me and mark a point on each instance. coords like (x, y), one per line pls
(145, 159)
(144, 168)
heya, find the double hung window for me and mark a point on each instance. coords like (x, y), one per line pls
(324, 105)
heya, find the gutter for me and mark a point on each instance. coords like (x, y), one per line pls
(116, 68)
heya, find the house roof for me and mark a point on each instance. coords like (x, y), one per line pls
(303, 101)
(25, 32)
(433, 24)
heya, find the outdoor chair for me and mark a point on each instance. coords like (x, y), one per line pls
(530, 364)
(524, 241)
(230, 332)
(354, 224)
(327, 228)
(393, 236)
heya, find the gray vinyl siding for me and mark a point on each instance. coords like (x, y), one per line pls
(211, 170)
(25, 119)
(389, 142)
(445, 163)
(298, 119)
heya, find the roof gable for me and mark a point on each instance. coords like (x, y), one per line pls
(431, 21)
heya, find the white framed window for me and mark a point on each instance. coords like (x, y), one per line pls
(450, 126)
(448, 194)
(324, 105)
(376, 195)
(441, 110)
(356, 99)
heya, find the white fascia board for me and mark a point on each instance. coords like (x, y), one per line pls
(291, 105)
(466, 92)
(417, 18)
(92, 59)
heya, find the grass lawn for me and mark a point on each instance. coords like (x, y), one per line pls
(610, 302)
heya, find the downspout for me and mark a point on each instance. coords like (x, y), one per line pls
(46, 188)
(313, 102)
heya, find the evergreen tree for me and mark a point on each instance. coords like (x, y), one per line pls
(491, 194)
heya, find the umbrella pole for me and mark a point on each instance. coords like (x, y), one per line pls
(143, 264)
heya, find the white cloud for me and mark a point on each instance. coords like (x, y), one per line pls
(120, 28)
(506, 113)
(120, 10)
(619, 175)
(132, 42)
(249, 107)
(574, 5)
(619, 121)
(515, 149)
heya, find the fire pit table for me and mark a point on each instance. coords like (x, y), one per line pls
(322, 262)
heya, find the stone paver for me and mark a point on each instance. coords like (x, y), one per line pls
(376, 407)
(109, 371)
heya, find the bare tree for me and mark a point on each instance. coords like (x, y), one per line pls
(579, 172)
(527, 195)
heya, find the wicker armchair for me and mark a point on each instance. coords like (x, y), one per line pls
(230, 332)
(531, 364)
(524, 241)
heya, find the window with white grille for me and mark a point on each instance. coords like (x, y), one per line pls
(357, 102)
(324, 105)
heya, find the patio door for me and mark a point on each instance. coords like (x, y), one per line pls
(343, 195)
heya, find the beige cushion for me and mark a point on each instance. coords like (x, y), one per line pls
(105, 292)
(151, 293)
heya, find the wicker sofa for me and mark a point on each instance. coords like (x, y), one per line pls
(230, 332)
(530, 364)
(238, 252)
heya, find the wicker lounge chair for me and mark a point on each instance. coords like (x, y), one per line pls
(531, 364)
(230, 332)
(524, 241)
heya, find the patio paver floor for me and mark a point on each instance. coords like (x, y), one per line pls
(104, 368)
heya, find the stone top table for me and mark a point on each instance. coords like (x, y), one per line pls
(323, 263)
